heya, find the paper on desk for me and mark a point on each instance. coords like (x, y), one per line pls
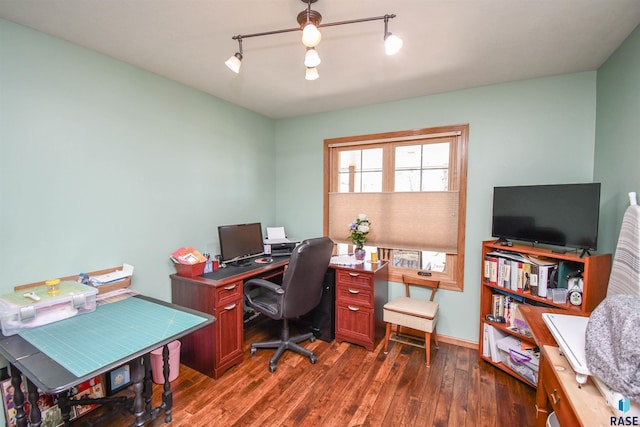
(276, 233)
(127, 271)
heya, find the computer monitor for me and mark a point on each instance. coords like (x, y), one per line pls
(238, 242)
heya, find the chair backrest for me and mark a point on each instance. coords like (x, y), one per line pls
(418, 281)
(303, 279)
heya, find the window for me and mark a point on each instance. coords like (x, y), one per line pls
(412, 185)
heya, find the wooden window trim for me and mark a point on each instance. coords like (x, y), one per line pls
(453, 278)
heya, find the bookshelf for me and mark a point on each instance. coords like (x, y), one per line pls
(595, 270)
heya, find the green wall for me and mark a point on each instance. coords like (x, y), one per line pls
(519, 133)
(618, 136)
(102, 163)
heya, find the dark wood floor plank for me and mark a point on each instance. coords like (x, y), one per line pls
(348, 386)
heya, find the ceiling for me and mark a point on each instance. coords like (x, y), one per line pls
(448, 44)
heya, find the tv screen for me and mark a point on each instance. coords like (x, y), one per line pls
(240, 241)
(561, 215)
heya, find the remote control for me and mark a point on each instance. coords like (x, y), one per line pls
(424, 273)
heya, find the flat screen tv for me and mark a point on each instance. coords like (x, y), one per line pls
(238, 242)
(561, 215)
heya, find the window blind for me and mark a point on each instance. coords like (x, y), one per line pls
(425, 221)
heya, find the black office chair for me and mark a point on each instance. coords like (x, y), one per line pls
(300, 292)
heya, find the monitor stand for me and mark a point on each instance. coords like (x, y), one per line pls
(241, 262)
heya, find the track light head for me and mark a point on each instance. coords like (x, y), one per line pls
(311, 58)
(234, 62)
(309, 20)
(392, 43)
(311, 73)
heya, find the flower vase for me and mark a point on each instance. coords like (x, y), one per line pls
(359, 254)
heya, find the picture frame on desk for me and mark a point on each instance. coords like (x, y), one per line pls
(118, 379)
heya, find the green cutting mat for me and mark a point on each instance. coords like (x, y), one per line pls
(87, 342)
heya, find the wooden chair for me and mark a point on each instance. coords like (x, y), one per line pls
(413, 313)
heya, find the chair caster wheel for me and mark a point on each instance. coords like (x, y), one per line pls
(313, 360)
(253, 350)
(312, 339)
(272, 368)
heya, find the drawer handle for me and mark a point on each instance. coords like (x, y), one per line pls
(354, 274)
(352, 291)
(555, 399)
(230, 288)
(230, 307)
(353, 308)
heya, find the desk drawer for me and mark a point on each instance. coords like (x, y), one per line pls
(557, 398)
(228, 293)
(355, 295)
(352, 278)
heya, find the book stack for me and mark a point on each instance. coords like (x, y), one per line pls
(519, 273)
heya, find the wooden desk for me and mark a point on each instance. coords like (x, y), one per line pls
(58, 356)
(558, 390)
(218, 347)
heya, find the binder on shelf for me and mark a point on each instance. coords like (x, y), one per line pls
(486, 349)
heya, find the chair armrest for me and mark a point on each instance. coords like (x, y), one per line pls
(261, 283)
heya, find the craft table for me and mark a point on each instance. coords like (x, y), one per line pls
(58, 356)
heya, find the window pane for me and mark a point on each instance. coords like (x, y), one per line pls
(372, 159)
(360, 170)
(407, 180)
(350, 158)
(372, 181)
(435, 155)
(434, 261)
(408, 157)
(420, 260)
(434, 180)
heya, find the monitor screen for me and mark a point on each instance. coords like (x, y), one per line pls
(240, 241)
(562, 215)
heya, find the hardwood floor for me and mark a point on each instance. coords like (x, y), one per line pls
(348, 386)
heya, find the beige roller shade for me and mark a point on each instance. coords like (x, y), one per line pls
(412, 220)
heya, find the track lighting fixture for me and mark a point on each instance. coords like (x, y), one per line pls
(235, 61)
(309, 22)
(392, 43)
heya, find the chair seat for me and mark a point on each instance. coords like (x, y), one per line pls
(412, 313)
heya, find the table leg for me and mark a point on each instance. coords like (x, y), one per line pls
(137, 377)
(65, 407)
(35, 417)
(167, 395)
(18, 396)
(148, 383)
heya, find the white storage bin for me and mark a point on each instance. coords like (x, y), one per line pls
(552, 420)
(18, 312)
(524, 362)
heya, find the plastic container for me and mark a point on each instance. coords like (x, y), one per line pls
(190, 270)
(552, 420)
(559, 295)
(523, 362)
(157, 363)
(19, 312)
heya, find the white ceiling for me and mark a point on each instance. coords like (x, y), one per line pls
(448, 44)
